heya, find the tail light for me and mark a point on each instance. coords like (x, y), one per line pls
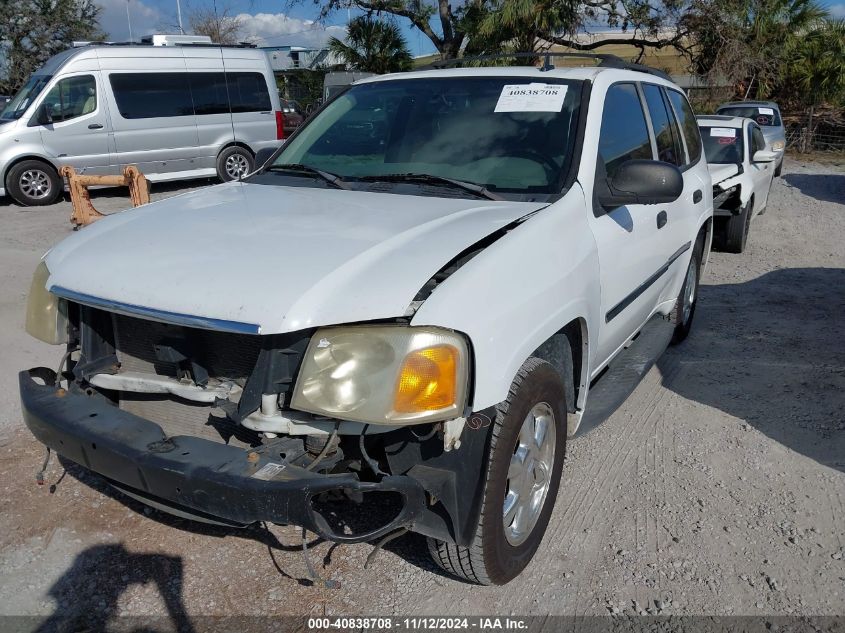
(280, 125)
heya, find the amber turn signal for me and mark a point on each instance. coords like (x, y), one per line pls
(427, 380)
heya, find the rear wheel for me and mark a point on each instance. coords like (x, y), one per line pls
(234, 163)
(33, 183)
(684, 310)
(736, 229)
(523, 476)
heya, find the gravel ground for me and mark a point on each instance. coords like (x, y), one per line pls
(717, 488)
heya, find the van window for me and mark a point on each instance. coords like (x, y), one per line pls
(151, 95)
(688, 124)
(624, 135)
(211, 92)
(669, 146)
(248, 92)
(72, 97)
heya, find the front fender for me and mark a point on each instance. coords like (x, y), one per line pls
(519, 291)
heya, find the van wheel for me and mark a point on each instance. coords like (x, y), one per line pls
(523, 475)
(33, 183)
(234, 163)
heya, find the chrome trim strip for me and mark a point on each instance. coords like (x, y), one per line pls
(151, 314)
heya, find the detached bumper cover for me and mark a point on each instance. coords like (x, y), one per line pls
(194, 474)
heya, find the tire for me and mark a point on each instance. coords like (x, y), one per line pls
(234, 162)
(779, 168)
(498, 553)
(736, 229)
(33, 183)
(684, 310)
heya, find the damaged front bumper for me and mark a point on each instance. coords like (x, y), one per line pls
(196, 477)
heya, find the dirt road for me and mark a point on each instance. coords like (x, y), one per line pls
(717, 488)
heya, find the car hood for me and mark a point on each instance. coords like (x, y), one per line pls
(720, 172)
(271, 259)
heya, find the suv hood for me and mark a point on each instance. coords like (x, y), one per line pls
(271, 259)
(719, 172)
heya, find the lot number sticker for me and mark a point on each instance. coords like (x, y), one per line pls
(769, 111)
(534, 97)
(723, 132)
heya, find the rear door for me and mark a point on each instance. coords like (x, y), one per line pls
(254, 98)
(79, 134)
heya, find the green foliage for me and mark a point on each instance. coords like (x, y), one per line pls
(32, 31)
(372, 45)
(816, 64)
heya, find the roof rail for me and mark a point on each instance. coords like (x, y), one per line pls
(604, 61)
(83, 44)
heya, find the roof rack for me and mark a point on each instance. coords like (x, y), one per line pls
(604, 61)
(83, 44)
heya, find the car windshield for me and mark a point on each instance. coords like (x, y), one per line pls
(764, 116)
(722, 145)
(506, 134)
(21, 101)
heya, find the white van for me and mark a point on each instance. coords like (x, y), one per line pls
(176, 112)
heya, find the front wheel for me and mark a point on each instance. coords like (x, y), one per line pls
(523, 474)
(737, 227)
(33, 183)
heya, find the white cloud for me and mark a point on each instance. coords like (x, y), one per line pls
(145, 19)
(278, 29)
(837, 10)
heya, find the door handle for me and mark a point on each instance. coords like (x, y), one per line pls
(95, 126)
(696, 196)
(662, 219)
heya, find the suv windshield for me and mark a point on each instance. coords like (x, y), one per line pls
(767, 117)
(506, 134)
(21, 101)
(722, 145)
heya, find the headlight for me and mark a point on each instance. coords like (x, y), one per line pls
(778, 146)
(46, 314)
(384, 374)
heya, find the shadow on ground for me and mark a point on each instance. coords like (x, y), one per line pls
(825, 187)
(770, 352)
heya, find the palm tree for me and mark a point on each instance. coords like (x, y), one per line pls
(817, 67)
(374, 46)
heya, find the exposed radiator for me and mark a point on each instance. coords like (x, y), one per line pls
(222, 354)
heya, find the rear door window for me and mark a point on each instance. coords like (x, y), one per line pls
(688, 124)
(669, 146)
(209, 93)
(624, 133)
(152, 95)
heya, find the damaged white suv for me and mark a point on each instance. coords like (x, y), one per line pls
(402, 310)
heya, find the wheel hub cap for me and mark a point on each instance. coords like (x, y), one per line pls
(689, 292)
(237, 166)
(529, 474)
(35, 183)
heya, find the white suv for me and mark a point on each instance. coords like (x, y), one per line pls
(403, 308)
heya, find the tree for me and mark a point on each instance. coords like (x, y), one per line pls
(220, 25)
(745, 41)
(371, 45)
(816, 68)
(32, 31)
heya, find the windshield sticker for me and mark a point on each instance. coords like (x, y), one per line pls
(724, 140)
(769, 111)
(534, 97)
(723, 132)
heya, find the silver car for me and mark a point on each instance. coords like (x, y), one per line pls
(767, 115)
(174, 111)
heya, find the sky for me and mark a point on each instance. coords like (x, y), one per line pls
(276, 22)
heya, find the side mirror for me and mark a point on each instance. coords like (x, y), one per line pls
(640, 182)
(42, 116)
(764, 156)
(263, 155)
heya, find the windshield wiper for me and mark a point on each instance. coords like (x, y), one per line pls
(479, 190)
(332, 179)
